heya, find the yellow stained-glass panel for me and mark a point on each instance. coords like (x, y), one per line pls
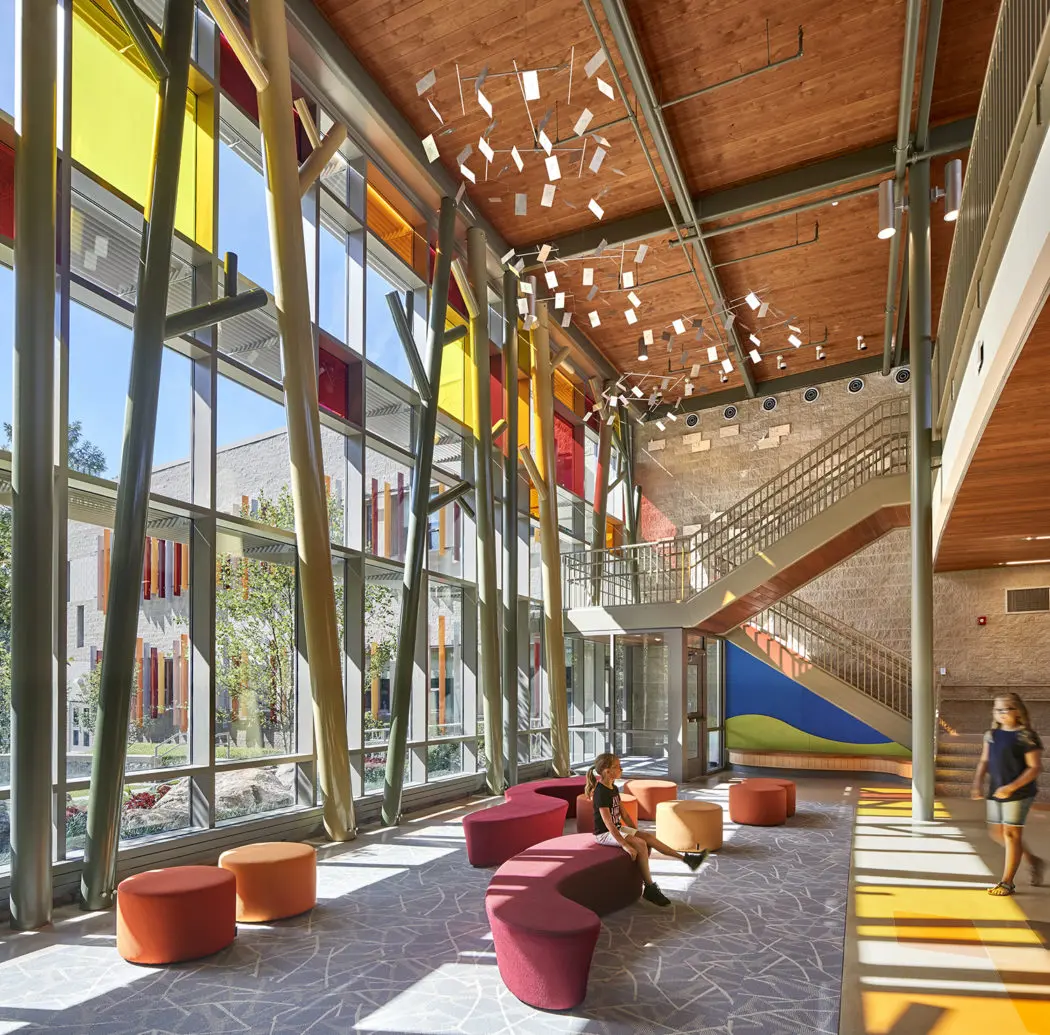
(389, 226)
(564, 391)
(114, 100)
(456, 391)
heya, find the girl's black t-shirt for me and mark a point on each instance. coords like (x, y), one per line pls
(1006, 751)
(605, 798)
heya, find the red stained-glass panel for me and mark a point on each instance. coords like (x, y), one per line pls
(7, 191)
(569, 458)
(333, 379)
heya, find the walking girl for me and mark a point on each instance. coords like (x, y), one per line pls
(602, 790)
(1011, 759)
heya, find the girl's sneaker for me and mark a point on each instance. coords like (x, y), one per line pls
(694, 860)
(653, 894)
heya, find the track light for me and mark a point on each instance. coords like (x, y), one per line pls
(861, 343)
(781, 365)
(952, 189)
(887, 215)
(643, 350)
(723, 378)
(820, 352)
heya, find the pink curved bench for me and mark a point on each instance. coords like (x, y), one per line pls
(543, 906)
(533, 812)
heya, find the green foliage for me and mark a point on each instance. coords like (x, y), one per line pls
(84, 455)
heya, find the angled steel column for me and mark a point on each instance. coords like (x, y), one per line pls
(920, 332)
(415, 548)
(98, 881)
(32, 482)
(600, 511)
(312, 533)
(488, 596)
(550, 549)
(510, 527)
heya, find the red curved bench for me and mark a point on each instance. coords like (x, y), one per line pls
(543, 906)
(533, 812)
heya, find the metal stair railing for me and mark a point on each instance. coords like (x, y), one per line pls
(837, 648)
(672, 570)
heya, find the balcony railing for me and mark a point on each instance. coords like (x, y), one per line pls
(841, 651)
(1007, 102)
(672, 570)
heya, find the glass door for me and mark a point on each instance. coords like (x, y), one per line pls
(695, 670)
(715, 705)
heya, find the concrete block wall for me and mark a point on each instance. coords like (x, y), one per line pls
(699, 472)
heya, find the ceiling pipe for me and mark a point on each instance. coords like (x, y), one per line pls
(649, 107)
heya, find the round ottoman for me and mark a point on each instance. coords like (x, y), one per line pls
(585, 812)
(756, 806)
(687, 825)
(275, 879)
(182, 913)
(788, 785)
(650, 793)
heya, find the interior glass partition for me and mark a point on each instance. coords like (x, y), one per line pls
(642, 678)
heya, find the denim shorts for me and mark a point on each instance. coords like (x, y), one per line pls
(1008, 813)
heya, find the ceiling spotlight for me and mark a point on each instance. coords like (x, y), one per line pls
(795, 340)
(952, 189)
(723, 378)
(752, 300)
(755, 356)
(643, 350)
(887, 215)
(861, 343)
(820, 352)
(781, 365)
(754, 339)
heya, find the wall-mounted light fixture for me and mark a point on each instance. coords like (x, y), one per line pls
(887, 215)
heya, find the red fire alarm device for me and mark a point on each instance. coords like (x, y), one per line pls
(982, 620)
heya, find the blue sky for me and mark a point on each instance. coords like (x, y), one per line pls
(100, 350)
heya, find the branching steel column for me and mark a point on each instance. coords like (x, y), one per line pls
(98, 881)
(510, 526)
(488, 595)
(920, 332)
(418, 523)
(600, 504)
(312, 533)
(550, 550)
(32, 481)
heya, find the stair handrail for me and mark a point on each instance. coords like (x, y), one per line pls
(837, 648)
(670, 570)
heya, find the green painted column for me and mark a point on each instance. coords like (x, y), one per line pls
(98, 881)
(32, 481)
(489, 609)
(418, 523)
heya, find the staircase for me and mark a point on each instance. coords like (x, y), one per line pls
(834, 661)
(834, 501)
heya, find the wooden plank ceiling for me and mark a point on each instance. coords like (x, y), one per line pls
(829, 276)
(1002, 511)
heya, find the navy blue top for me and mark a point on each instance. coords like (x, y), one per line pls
(1006, 751)
(607, 798)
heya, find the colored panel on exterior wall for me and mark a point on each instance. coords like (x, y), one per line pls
(113, 106)
(390, 226)
(7, 191)
(767, 711)
(456, 391)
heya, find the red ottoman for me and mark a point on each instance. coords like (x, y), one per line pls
(585, 812)
(788, 785)
(757, 806)
(543, 906)
(494, 835)
(567, 788)
(650, 793)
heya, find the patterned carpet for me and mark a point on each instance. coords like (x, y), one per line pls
(399, 943)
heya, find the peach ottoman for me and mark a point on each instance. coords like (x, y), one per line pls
(650, 793)
(687, 825)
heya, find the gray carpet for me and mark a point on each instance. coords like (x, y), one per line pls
(399, 943)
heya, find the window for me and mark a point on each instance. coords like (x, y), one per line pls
(254, 646)
(382, 622)
(160, 691)
(388, 496)
(445, 616)
(382, 344)
(7, 56)
(332, 280)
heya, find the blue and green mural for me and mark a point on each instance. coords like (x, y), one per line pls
(767, 711)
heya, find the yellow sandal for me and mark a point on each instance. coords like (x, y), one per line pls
(1002, 888)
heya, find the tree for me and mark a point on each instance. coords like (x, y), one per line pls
(84, 455)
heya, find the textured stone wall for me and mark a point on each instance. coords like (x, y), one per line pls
(691, 474)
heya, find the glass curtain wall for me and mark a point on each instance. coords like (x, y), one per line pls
(220, 559)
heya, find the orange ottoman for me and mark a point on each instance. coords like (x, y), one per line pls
(275, 879)
(757, 806)
(788, 785)
(182, 913)
(688, 825)
(585, 812)
(650, 793)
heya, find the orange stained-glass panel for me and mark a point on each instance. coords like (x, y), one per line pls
(113, 107)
